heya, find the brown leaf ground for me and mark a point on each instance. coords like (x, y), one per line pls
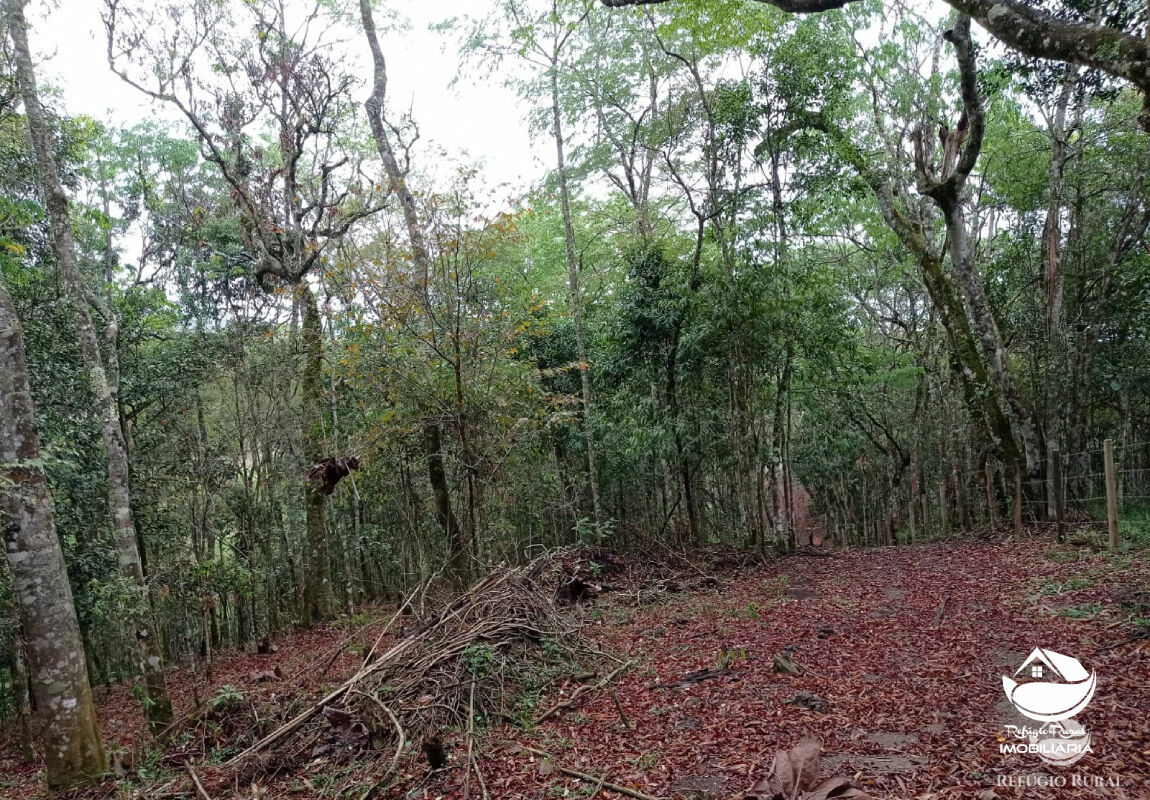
(913, 707)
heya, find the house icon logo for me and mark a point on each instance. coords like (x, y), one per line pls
(1059, 687)
(1050, 688)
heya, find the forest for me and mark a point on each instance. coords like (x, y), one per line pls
(328, 469)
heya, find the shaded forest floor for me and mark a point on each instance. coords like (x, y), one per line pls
(900, 652)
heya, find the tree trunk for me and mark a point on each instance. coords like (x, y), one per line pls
(67, 717)
(576, 299)
(319, 602)
(458, 544)
(672, 397)
(1055, 373)
(948, 196)
(978, 390)
(157, 704)
(22, 702)
(962, 260)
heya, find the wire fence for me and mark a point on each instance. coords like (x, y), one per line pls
(1078, 488)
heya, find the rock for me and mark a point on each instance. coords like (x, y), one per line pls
(809, 700)
(785, 664)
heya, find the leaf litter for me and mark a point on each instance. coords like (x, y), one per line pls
(898, 692)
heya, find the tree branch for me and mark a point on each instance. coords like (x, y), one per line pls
(1028, 30)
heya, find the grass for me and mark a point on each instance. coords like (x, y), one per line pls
(1085, 611)
(1134, 527)
(1050, 586)
(1133, 522)
(1065, 556)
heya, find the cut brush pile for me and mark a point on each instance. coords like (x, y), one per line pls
(467, 659)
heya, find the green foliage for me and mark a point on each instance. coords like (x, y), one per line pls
(225, 699)
(479, 660)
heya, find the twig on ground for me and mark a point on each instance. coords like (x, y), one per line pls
(305, 715)
(570, 701)
(941, 612)
(599, 780)
(470, 742)
(1138, 637)
(200, 790)
(386, 628)
(691, 678)
(398, 730)
(482, 783)
(418, 677)
(619, 708)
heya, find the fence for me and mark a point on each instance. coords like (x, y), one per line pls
(1109, 483)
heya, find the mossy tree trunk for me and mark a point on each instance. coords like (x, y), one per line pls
(139, 621)
(73, 752)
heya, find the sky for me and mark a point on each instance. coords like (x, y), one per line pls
(483, 121)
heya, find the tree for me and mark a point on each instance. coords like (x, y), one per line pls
(1062, 34)
(298, 193)
(157, 704)
(544, 36)
(66, 715)
(459, 542)
(961, 148)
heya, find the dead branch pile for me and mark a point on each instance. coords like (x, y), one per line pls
(468, 658)
(644, 577)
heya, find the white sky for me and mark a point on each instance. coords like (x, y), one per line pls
(471, 121)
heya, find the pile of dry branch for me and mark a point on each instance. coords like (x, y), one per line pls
(464, 660)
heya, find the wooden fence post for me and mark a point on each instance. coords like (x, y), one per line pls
(1111, 493)
(1017, 500)
(1059, 494)
(925, 516)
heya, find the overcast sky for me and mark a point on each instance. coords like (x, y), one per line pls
(484, 119)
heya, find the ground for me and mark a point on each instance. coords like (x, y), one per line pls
(901, 651)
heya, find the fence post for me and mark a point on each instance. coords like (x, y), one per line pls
(1017, 500)
(1111, 493)
(1059, 494)
(942, 509)
(925, 516)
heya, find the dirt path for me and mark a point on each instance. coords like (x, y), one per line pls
(903, 650)
(914, 707)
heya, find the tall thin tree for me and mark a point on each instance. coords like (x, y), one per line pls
(458, 541)
(142, 629)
